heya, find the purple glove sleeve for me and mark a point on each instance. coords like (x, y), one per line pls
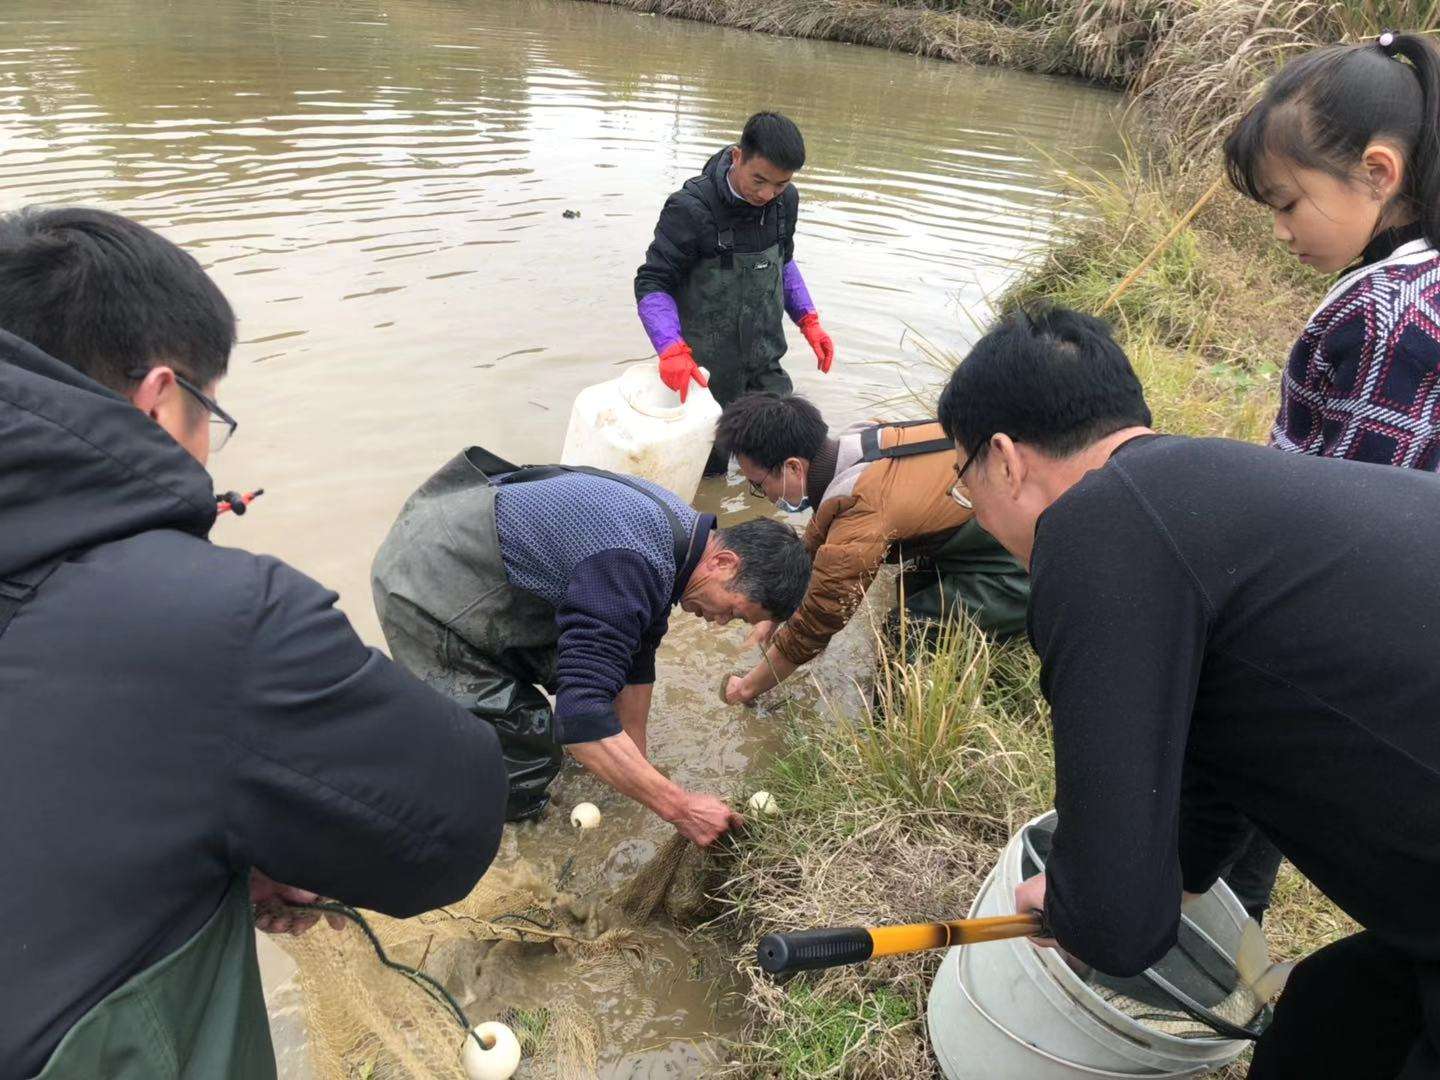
(661, 319)
(797, 297)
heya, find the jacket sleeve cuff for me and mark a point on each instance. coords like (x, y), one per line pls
(590, 727)
(642, 669)
(660, 316)
(797, 296)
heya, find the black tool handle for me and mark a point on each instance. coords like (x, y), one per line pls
(810, 950)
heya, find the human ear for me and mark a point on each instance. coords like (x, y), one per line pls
(1012, 468)
(1384, 168)
(157, 386)
(726, 560)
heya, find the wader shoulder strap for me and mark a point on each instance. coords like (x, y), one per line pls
(16, 591)
(684, 538)
(724, 232)
(871, 450)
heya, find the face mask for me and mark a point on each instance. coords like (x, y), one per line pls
(785, 504)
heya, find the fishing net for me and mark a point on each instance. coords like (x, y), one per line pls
(368, 1021)
(682, 880)
(1193, 992)
(1198, 989)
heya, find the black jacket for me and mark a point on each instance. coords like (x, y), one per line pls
(173, 712)
(689, 227)
(1229, 634)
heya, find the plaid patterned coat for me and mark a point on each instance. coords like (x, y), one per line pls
(1363, 381)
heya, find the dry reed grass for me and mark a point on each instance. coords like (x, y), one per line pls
(893, 816)
(1193, 65)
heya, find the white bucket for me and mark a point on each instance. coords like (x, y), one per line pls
(1006, 1010)
(636, 425)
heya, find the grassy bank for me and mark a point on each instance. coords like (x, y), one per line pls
(1193, 61)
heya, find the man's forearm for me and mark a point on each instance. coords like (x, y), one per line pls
(618, 762)
(773, 669)
(632, 708)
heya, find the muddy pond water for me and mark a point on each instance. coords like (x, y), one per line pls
(380, 185)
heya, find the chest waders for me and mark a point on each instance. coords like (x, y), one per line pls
(451, 616)
(199, 1013)
(970, 567)
(732, 309)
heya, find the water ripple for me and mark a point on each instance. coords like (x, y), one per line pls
(409, 164)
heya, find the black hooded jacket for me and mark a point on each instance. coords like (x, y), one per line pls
(173, 713)
(689, 227)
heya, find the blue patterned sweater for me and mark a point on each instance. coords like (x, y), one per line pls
(603, 556)
(1363, 381)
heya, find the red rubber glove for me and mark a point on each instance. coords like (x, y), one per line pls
(678, 367)
(819, 341)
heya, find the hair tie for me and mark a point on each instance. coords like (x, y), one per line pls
(1386, 42)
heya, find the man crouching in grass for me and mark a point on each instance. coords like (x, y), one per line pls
(1259, 630)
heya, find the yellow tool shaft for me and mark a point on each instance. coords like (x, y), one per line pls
(890, 940)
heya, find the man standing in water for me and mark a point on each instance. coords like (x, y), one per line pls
(178, 720)
(1257, 630)
(495, 580)
(721, 275)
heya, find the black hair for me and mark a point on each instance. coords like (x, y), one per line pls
(776, 139)
(774, 566)
(108, 296)
(1324, 108)
(1055, 379)
(769, 428)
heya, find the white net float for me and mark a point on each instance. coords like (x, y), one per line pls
(492, 1052)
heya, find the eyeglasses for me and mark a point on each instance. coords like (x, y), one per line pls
(957, 489)
(756, 489)
(222, 424)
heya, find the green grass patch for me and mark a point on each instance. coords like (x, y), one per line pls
(824, 1030)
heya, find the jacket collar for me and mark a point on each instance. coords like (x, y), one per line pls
(81, 466)
(822, 471)
(704, 525)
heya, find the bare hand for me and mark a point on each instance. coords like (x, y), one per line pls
(273, 914)
(1030, 897)
(703, 819)
(761, 635)
(734, 692)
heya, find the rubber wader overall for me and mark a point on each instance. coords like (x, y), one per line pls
(198, 1014)
(451, 616)
(732, 314)
(970, 567)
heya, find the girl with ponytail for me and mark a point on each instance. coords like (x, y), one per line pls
(1344, 147)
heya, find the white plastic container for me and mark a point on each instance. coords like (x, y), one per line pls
(636, 425)
(1006, 1010)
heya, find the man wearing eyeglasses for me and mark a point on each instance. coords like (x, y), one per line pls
(880, 491)
(182, 725)
(1227, 636)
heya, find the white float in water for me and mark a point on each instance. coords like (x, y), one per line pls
(585, 816)
(763, 804)
(491, 1052)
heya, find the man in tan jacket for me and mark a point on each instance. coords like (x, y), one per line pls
(881, 492)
